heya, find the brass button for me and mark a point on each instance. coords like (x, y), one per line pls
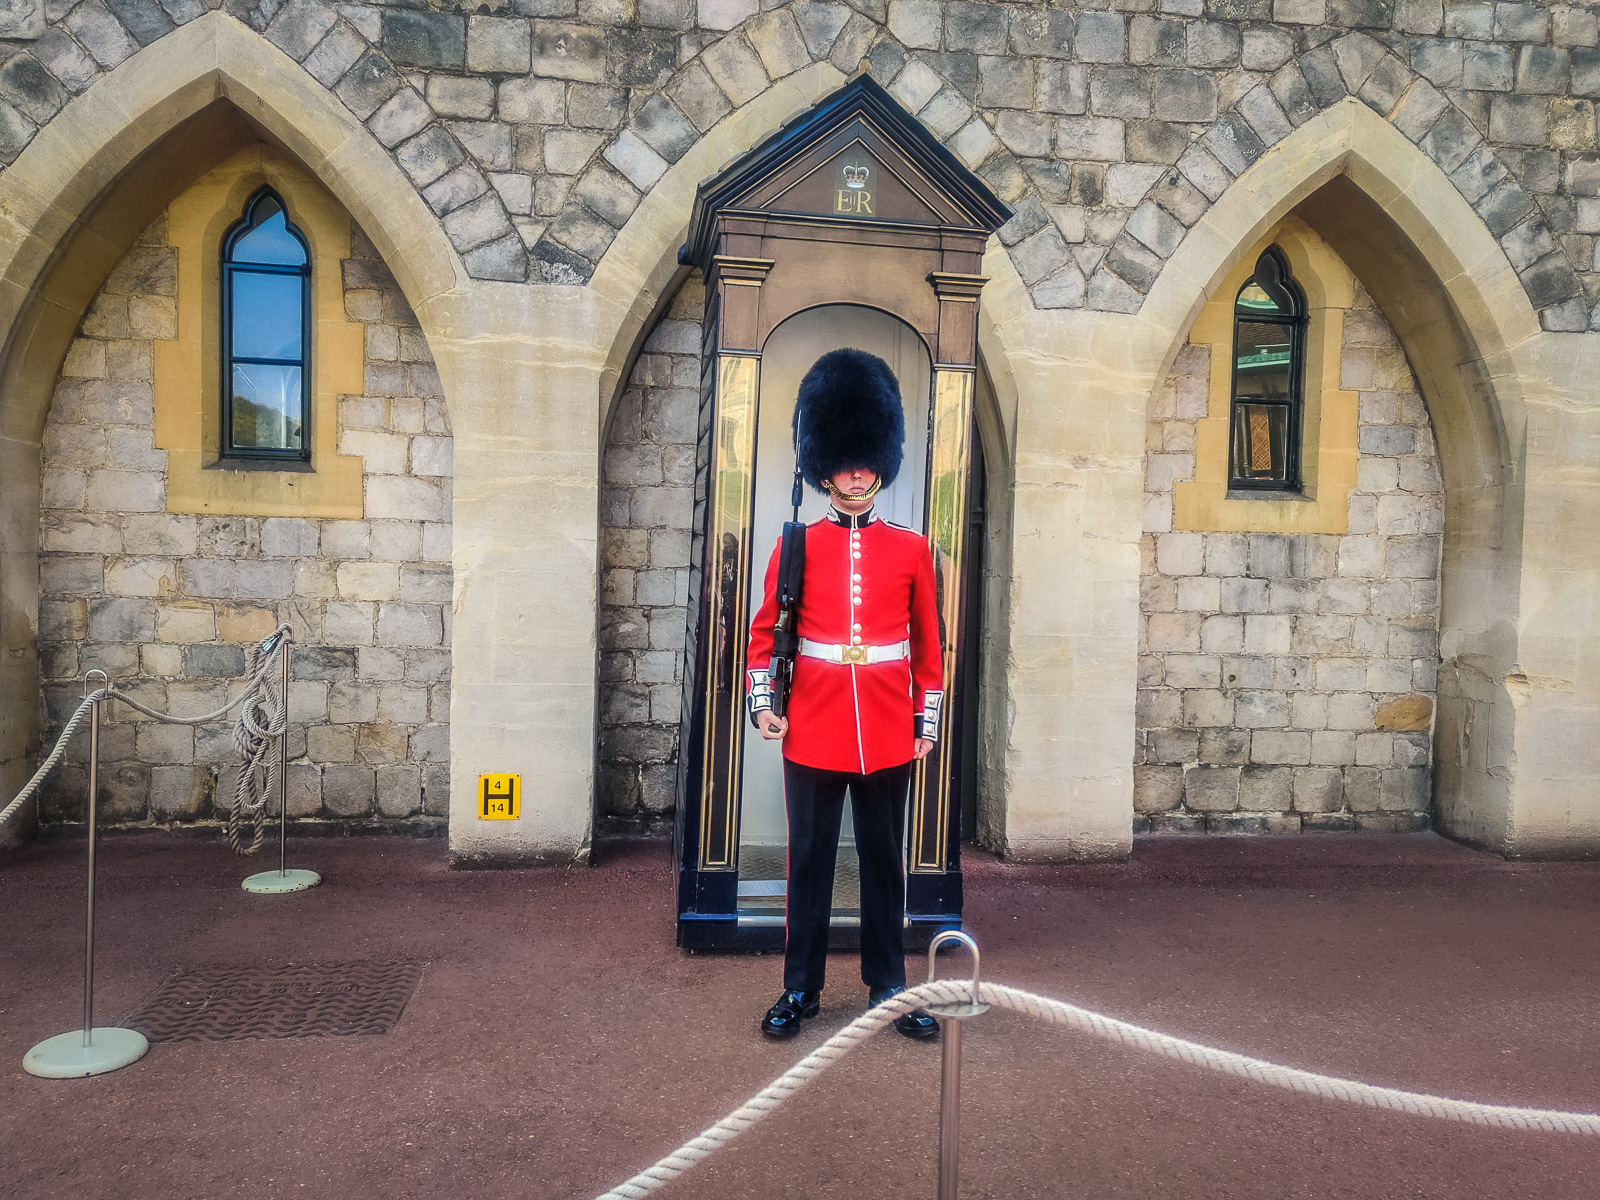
(857, 638)
(856, 577)
(857, 628)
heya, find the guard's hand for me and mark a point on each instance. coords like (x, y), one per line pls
(773, 728)
(922, 747)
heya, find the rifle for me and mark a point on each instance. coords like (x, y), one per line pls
(786, 629)
(791, 575)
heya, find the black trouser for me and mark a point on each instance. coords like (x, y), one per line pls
(815, 801)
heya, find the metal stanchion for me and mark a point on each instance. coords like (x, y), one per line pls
(276, 883)
(953, 1014)
(91, 1051)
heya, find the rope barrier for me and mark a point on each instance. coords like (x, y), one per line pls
(263, 719)
(1057, 1012)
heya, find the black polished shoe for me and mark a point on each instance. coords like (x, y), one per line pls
(914, 1024)
(783, 1018)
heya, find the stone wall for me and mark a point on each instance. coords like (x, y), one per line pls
(165, 603)
(533, 131)
(647, 506)
(1287, 681)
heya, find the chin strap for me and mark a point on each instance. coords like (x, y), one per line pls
(872, 491)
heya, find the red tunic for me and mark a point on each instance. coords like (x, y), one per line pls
(844, 716)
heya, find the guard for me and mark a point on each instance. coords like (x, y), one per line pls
(867, 683)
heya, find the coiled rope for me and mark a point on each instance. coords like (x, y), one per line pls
(262, 720)
(1056, 1012)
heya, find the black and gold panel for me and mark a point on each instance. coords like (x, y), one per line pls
(853, 203)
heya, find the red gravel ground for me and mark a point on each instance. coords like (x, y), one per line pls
(559, 1042)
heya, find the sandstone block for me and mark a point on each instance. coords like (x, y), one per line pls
(1157, 788)
(1266, 789)
(348, 790)
(409, 624)
(1211, 789)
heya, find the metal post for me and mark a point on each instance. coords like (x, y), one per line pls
(949, 1110)
(953, 1013)
(92, 1051)
(283, 763)
(283, 880)
(94, 798)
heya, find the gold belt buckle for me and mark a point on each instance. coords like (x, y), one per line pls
(856, 655)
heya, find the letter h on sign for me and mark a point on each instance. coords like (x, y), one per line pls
(498, 797)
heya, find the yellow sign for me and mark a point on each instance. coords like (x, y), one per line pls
(499, 797)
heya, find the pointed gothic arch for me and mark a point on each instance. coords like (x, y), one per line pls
(87, 185)
(1475, 343)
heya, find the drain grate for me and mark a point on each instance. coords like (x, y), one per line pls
(213, 1004)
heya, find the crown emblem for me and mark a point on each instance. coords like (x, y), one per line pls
(856, 177)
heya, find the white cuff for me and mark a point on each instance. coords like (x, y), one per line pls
(760, 696)
(928, 718)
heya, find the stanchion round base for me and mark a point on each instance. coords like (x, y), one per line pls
(275, 883)
(66, 1057)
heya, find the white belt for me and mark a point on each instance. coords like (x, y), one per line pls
(858, 655)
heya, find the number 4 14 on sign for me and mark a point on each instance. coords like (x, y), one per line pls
(499, 797)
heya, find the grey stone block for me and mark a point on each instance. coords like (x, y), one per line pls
(1184, 96)
(1043, 33)
(348, 790)
(478, 223)
(1213, 44)
(1233, 143)
(639, 57)
(215, 662)
(1005, 82)
(1102, 37)
(1266, 48)
(1157, 788)
(321, 662)
(100, 33)
(1211, 789)
(414, 38)
(1487, 68)
(1520, 120)
(367, 84)
(31, 89)
(335, 55)
(1521, 22)
(1153, 41)
(1406, 789)
(1177, 823)
(118, 619)
(1119, 92)
(65, 60)
(399, 790)
(1322, 75)
(1280, 747)
(180, 792)
(1439, 60)
(1063, 88)
(1266, 789)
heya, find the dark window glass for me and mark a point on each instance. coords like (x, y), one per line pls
(1268, 377)
(266, 294)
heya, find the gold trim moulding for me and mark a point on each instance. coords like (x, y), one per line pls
(732, 497)
(947, 504)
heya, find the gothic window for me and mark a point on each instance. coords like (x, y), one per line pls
(266, 334)
(1268, 377)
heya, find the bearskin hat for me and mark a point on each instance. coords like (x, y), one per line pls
(848, 415)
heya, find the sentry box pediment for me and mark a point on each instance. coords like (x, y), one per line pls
(853, 201)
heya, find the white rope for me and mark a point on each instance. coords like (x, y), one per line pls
(1055, 1012)
(261, 722)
